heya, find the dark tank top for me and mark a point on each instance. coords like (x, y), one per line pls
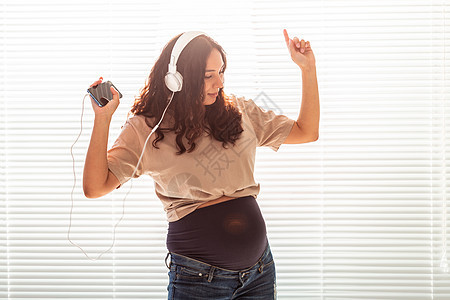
(230, 234)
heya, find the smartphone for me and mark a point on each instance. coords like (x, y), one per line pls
(101, 93)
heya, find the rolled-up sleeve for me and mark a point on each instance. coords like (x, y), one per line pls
(271, 129)
(124, 154)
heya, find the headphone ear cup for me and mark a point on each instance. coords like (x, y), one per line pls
(174, 81)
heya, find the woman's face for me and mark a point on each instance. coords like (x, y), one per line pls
(213, 77)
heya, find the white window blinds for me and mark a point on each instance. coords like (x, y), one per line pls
(360, 214)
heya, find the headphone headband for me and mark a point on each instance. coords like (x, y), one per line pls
(173, 79)
(182, 42)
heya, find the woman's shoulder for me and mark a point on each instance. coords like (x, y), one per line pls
(135, 123)
(235, 98)
(244, 104)
(239, 101)
(140, 121)
(136, 120)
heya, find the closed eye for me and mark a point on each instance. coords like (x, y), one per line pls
(211, 76)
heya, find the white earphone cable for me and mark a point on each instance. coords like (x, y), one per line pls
(132, 176)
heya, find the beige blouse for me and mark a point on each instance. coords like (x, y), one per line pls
(184, 182)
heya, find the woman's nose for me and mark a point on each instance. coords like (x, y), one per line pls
(219, 82)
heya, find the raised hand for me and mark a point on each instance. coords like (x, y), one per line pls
(109, 109)
(300, 51)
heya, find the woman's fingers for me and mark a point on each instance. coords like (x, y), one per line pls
(115, 93)
(97, 82)
(299, 44)
(286, 37)
(302, 46)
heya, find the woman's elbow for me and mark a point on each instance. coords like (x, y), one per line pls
(91, 193)
(92, 190)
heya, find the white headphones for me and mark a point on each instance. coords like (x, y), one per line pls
(173, 79)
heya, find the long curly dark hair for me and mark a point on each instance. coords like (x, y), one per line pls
(191, 118)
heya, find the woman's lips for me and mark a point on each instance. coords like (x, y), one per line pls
(214, 95)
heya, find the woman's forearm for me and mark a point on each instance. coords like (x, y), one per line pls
(95, 171)
(309, 115)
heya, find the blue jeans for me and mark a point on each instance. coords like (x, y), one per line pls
(193, 279)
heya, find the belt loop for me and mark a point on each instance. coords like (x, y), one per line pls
(165, 261)
(211, 272)
(261, 266)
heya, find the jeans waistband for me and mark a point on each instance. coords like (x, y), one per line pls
(205, 268)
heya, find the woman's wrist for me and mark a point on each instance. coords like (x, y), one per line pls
(309, 68)
(103, 118)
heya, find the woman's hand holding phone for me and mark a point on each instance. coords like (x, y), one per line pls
(109, 109)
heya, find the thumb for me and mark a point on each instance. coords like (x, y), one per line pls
(291, 46)
(115, 93)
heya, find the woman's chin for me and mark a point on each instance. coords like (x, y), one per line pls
(209, 101)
